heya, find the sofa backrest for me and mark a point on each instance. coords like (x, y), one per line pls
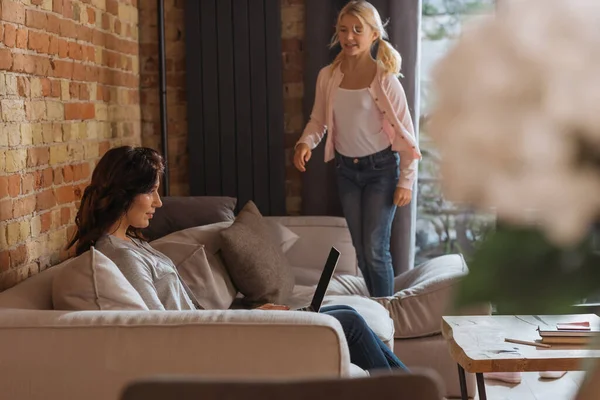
(317, 235)
(34, 293)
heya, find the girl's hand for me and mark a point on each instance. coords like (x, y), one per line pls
(402, 196)
(271, 306)
(301, 156)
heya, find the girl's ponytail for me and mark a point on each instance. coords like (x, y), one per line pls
(389, 57)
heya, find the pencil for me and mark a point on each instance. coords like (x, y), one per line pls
(536, 344)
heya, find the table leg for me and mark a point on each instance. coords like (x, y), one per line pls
(481, 386)
(463, 383)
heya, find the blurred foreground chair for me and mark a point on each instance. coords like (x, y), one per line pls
(418, 385)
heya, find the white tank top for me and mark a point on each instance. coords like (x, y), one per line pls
(358, 123)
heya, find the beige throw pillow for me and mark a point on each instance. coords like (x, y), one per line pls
(255, 260)
(92, 281)
(203, 272)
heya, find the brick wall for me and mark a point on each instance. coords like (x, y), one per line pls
(69, 90)
(292, 14)
(71, 86)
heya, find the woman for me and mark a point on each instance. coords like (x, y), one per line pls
(361, 104)
(120, 201)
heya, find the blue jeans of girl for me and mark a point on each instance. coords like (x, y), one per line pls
(366, 187)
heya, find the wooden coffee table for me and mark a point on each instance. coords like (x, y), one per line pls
(477, 344)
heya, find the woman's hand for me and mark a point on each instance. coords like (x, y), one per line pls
(271, 306)
(402, 196)
(301, 156)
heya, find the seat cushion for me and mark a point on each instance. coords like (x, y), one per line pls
(423, 295)
(376, 316)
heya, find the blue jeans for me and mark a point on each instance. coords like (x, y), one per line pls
(366, 350)
(366, 186)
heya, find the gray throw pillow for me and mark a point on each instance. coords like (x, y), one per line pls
(179, 213)
(254, 259)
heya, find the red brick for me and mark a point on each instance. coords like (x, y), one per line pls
(68, 29)
(63, 48)
(37, 2)
(6, 210)
(57, 6)
(6, 59)
(84, 92)
(84, 33)
(13, 12)
(74, 90)
(4, 261)
(63, 69)
(18, 256)
(39, 42)
(24, 206)
(55, 92)
(53, 24)
(65, 195)
(65, 216)
(112, 7)
(58, 176)
(10, 35)
(43, 178)
(46, 222)
(14, 185)
(88, 111)
(72, 111)
(22, 37)
(45, 200)
(79, 72)
(3, 187)
(91, 13)
(36, 19)
(68, 173)
(38, 156)
(105, 21)
(75, 51)
(68, 9)
(53, 47)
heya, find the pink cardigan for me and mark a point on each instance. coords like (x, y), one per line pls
(391, 101)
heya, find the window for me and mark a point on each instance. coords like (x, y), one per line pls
(443, 227)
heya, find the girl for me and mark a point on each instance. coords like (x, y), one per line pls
(120, 201)
(361, 104)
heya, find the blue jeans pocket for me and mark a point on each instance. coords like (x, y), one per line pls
(387, 163)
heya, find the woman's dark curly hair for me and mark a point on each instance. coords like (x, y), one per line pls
(121, 174)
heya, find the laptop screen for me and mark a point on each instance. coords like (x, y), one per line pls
(330, 265)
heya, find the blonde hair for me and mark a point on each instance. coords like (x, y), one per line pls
(387, 56)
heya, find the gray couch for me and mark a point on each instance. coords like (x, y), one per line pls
(92, 354)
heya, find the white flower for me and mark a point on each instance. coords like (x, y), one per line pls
(517, 100)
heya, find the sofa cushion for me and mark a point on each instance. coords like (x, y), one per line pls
(376, 316)
(202, 270)
(423, 295)
(179, 213)
(254, 259)
(92, 281)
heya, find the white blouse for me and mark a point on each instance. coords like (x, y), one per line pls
(359, 123)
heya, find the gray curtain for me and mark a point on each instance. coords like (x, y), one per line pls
(319, 190)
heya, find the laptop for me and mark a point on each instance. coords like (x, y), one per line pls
(330, 264)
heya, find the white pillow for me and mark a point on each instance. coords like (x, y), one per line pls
(92, 281)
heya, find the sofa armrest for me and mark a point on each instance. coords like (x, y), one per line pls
(76, 354)
(424, 294)
(317, 235)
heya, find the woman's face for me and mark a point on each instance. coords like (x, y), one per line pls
(355, 38)
(142, 209)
